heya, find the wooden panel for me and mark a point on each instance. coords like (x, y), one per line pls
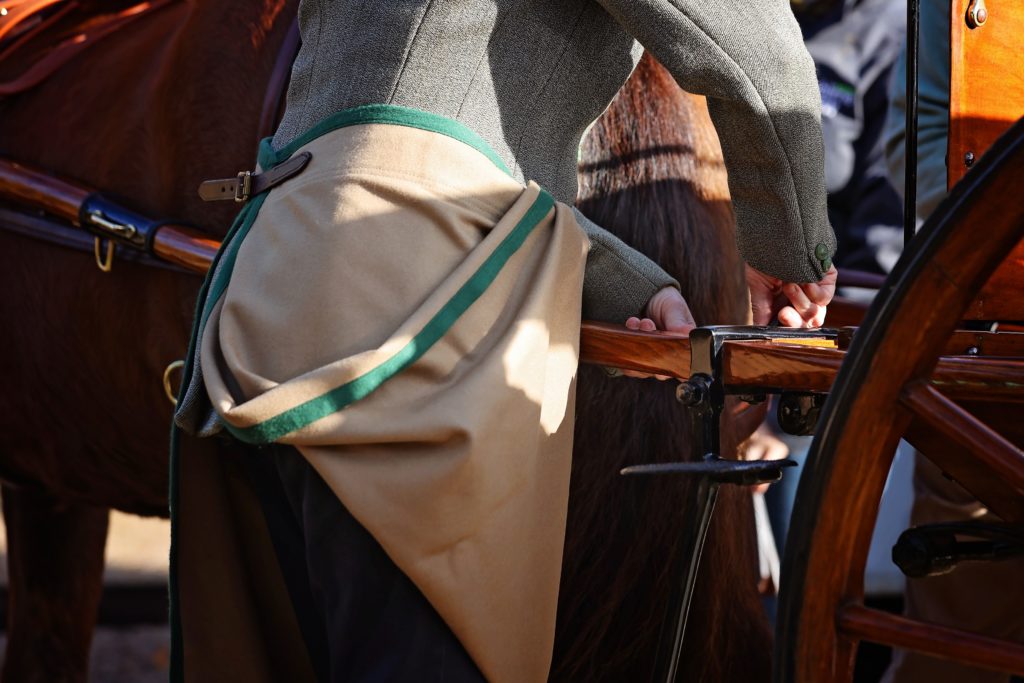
(861, 623)
(1002, 297)
(986, 79)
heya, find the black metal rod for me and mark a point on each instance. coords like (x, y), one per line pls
(704, 505)
(910, 168)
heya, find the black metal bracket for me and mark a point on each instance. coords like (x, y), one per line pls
(936, 549)
(704, 394)
(798, 413)
(107, 219)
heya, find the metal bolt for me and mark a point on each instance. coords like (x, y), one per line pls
(972, 351)
(691, 392)
(969, 159)
(977, 14)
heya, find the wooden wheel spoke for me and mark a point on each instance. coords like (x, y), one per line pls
(988, 447)
(861, 623)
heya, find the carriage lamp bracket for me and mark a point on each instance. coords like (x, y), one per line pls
(936, 549)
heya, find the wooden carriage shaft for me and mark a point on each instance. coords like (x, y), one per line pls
(747, 367)
(785, 366)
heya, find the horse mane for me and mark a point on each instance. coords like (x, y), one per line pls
(652, 173)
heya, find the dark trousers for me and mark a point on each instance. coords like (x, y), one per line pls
(362, 619)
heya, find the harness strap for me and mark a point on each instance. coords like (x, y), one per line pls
(246, 184)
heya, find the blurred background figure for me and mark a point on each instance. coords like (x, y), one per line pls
(855, 45)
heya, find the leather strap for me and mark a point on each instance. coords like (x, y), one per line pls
(248, 184)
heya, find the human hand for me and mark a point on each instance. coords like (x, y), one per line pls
(763, 445)
(667, 310)
(796, 305)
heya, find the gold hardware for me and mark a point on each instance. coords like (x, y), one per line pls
(244, 186)
(105, 264)
(977, 14)
(176, 365)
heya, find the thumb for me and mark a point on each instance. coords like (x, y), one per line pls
(678, 317)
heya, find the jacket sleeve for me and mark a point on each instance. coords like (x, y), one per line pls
(618, 281)
(748, 58)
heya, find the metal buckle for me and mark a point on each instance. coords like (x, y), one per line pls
(244, 186)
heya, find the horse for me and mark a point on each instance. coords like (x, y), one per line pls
(83, 417)
(652, 173)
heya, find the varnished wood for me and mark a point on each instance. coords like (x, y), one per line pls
(964, 378)
(986, 80)
(843, 312)
(961, 466)
(185, 247)
(929, 293)
(861, 623)
(763, 366)
(617, 347)
(965, 343)
(980, 449)
(1002, 297)
(999, 344)
(22, 184)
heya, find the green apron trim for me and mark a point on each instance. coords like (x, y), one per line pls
(213, 288)
(336, 399)
(382, 113)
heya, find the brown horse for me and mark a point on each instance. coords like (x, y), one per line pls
(652, 173)
(83, 419)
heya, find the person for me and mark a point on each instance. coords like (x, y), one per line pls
(855, 45)
(390, 334)
(981, 597)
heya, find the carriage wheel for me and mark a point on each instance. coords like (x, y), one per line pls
(884, 392)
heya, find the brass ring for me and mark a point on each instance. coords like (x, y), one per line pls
(176, 365)
(104, 264)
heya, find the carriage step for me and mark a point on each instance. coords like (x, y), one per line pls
(937, 549)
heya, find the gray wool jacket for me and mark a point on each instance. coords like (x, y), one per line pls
(529, 76)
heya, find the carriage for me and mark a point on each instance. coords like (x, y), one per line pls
(918, 367)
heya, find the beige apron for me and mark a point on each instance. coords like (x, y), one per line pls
(407, 316)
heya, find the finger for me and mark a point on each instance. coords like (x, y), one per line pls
(799, 301)
(678, 318)
(647, 325)
(761, 307)
(788, 317)
(816, 293)
(633, 323)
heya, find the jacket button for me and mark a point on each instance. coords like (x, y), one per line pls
(821, 252)
(826, 263)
